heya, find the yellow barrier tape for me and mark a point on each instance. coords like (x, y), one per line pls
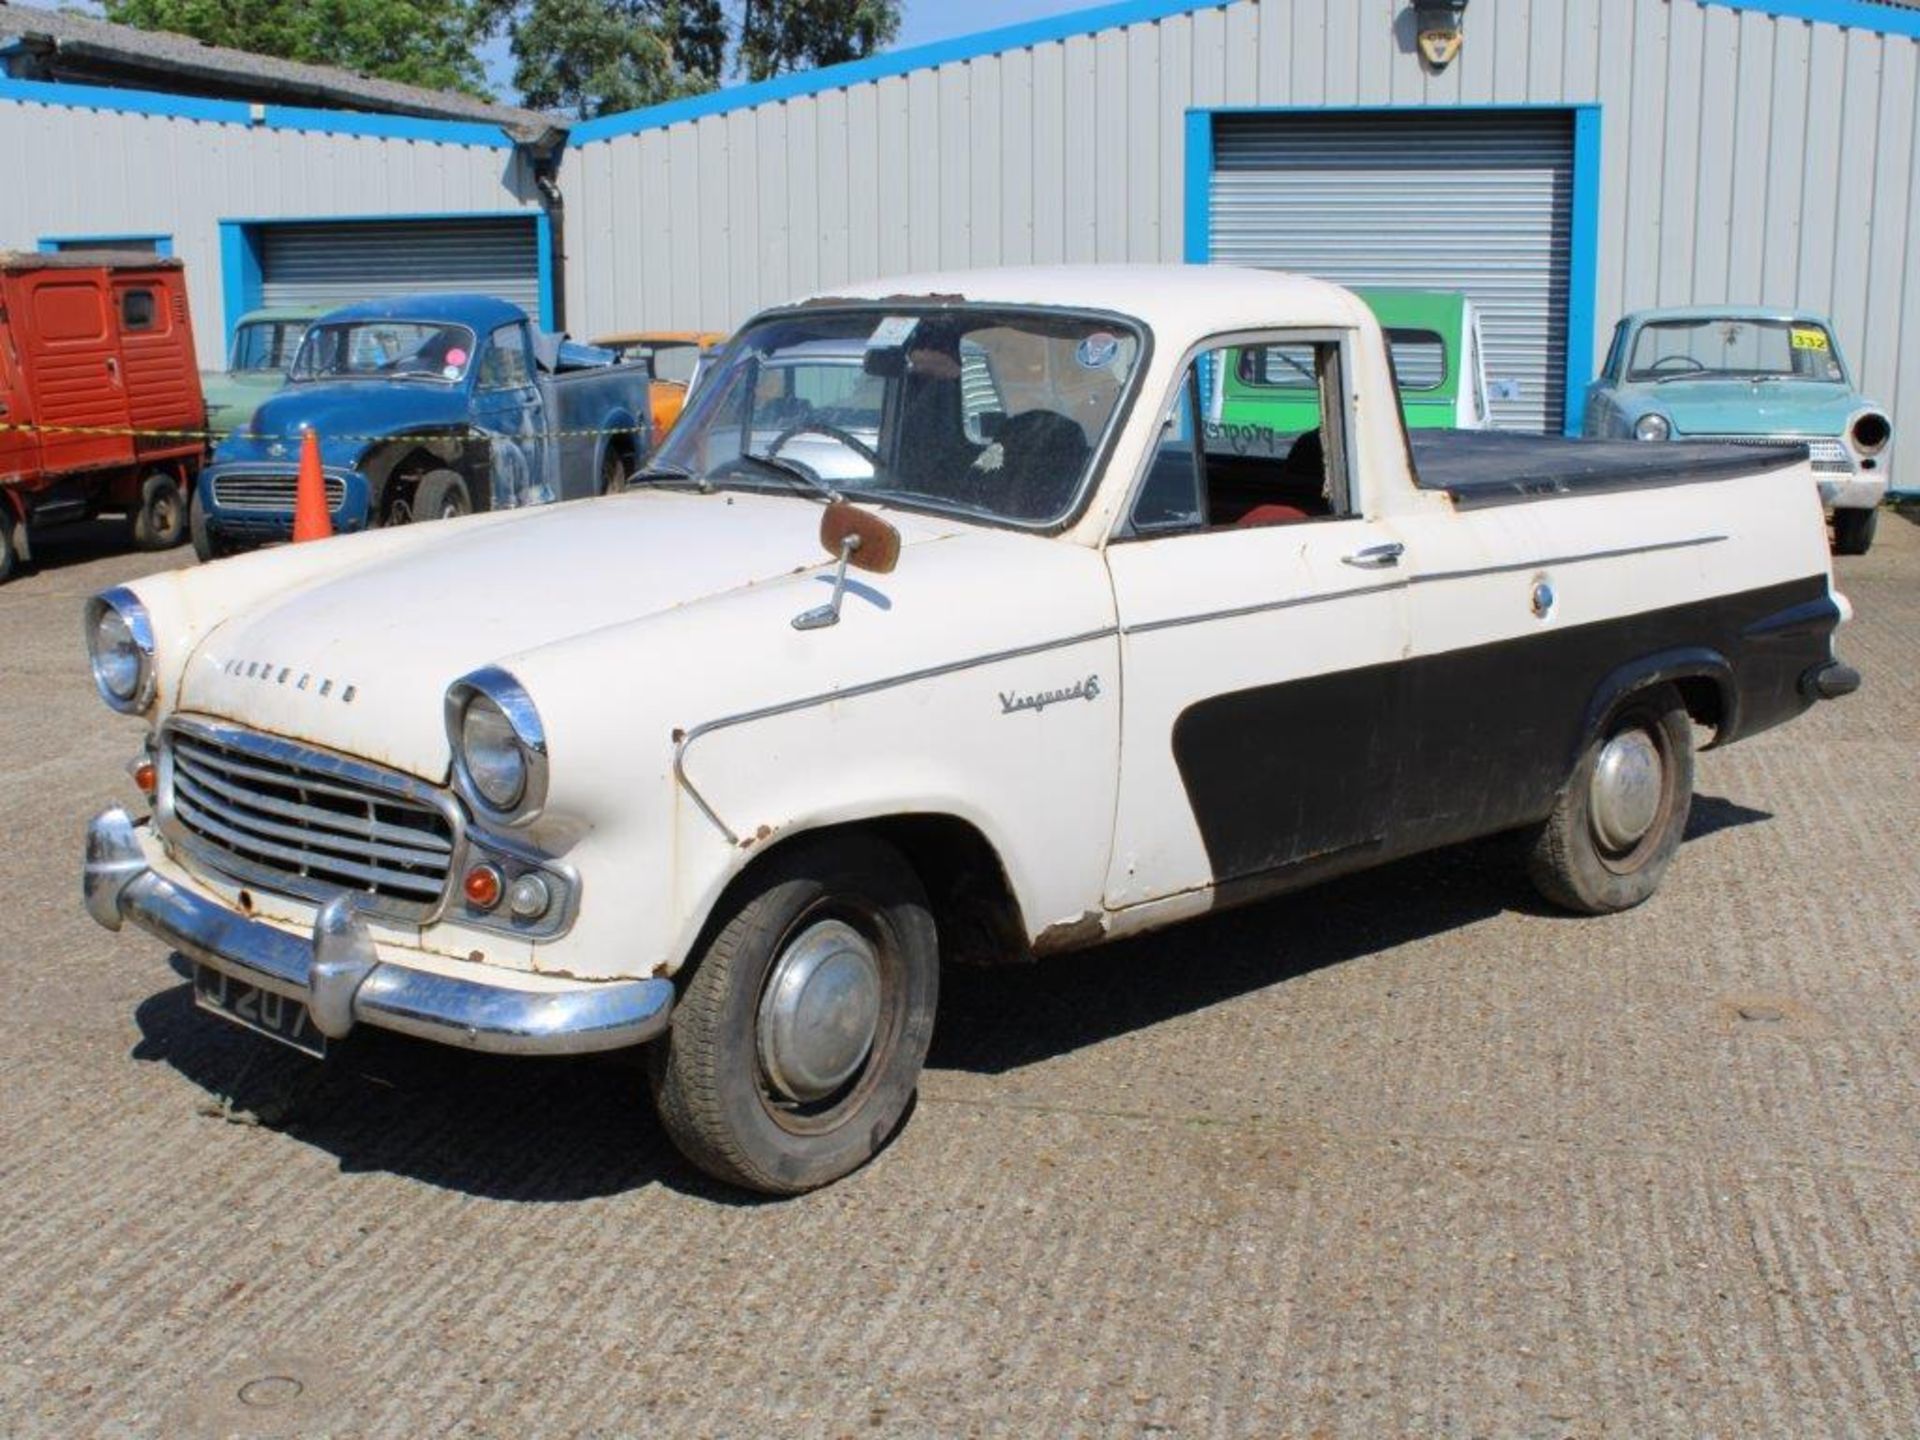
(216, 436)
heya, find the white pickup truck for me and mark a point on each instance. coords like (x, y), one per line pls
(658, 768)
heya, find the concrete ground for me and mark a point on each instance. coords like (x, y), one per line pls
(1405, 1155)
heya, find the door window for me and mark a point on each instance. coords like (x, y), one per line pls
(504, 364)
(1249, 465)
(136, 309)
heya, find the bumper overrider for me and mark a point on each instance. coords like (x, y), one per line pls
(342, 979)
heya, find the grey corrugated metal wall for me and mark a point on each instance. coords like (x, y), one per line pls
(1473, 201)
(1745, 157)
(73, 170)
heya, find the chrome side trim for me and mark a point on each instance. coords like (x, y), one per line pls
(339, 975)
(853, 692)
(1516, 567)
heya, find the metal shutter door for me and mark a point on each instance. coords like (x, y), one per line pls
(1480, 203)
(338, 263)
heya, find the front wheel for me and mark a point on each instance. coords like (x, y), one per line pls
(613, 472)
(207, 544)
(1615, 826)
(1853, 531)
(161, 521)
(797, 1044)
(441, 495)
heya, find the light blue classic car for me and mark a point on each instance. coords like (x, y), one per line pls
(1750, 376)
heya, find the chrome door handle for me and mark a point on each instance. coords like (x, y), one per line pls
(1376, 557)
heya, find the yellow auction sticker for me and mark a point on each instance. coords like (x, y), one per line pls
(1806, 338)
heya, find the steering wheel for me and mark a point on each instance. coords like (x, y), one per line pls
(1666, 360)
(833, 432)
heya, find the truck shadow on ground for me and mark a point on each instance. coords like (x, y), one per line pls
(550, 1130)
(60, 546)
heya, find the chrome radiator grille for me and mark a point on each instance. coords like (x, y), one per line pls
(268, 492)
(305, 822)
(1829, 456)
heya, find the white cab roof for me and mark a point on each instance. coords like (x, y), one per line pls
(1177, 302)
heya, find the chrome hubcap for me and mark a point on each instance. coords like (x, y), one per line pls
(820, 1011)
(1624, 798)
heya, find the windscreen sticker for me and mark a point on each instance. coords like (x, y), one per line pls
(1806, 337)
(1097, 351)
(456, 356)
(893, 332)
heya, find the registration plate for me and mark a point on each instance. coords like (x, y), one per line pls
(264, 1011)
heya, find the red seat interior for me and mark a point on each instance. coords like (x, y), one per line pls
(1270, 515)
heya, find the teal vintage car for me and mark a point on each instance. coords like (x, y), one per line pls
(1266, 398)
(264, 343)
(1750, 376)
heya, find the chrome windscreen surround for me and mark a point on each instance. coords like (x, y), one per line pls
(297, 820)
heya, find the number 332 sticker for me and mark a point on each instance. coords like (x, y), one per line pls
(1805, 338)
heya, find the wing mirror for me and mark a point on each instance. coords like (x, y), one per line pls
(857, 537)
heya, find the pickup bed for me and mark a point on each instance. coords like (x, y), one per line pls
(427, 407)
(942, 628)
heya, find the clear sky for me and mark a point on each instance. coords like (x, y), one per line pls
(921, 22)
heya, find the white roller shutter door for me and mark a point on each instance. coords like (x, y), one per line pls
(343, 261)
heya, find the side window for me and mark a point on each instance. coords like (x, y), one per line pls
(504, 365)
(136, 310)
(1257, 435)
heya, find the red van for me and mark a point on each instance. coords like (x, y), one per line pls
(96, 346)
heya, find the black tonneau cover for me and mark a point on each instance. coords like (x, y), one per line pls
(1492, 467)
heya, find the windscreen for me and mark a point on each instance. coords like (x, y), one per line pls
(1712, 349)
(992, 412)
(384, 350)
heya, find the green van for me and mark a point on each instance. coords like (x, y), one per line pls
(264, 343)
(1433, 337)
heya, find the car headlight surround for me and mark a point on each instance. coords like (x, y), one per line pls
(1869, 432)
(119, 635)
(499, 746)
(1652, 427)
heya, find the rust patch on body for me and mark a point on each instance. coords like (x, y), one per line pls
(1090, 928)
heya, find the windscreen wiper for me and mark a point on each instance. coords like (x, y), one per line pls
(789, 470)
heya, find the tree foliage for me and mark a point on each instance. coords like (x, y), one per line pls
(583, 57)
(594, 57)
(430, 43)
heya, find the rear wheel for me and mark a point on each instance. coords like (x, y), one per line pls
(797, 1044)
(161, 521)
(1617, 823)
(441, 495)
(9, 544)
(613, 472)
(1853, 531)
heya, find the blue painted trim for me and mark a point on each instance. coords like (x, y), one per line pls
(1198, 244)
(240, 112)
(1854, 14)
(53, 244)
(1583, 263)
(895, 62)
(382, 218)
(543, 244)
(240, 276)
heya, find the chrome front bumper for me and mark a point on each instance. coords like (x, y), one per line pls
(1860, 492)
(342, 980)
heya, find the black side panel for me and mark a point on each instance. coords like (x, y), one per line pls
(1286, 773)
(1466, 743)
(1489, 467)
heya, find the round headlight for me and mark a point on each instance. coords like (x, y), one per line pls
(499, 746)
(1651, 427)
(496, 764)
(120, 649)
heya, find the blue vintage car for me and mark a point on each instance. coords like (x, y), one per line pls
(1750, 376)
(427, 406)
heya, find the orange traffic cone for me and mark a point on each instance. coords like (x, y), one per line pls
(310, 518)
